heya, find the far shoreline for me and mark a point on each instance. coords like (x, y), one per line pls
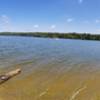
(55, 35)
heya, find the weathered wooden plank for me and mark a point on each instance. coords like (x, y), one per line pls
(7, 76)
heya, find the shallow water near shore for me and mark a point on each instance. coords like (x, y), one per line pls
(52, 69)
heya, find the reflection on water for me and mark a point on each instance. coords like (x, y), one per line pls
(51, 69)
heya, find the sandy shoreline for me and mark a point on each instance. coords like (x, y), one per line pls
(45, 85)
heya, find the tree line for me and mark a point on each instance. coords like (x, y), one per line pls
(81, 36)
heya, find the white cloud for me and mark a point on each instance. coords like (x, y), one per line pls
(69, 20)
(5, 18)
(5, 23)
(97, 21)
(80, 1)
(36, 26)
(53, 26)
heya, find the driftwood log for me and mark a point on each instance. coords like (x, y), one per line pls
(7, 76)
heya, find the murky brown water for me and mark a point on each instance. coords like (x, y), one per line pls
(51, 69)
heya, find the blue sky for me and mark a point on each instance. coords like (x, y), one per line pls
(50, 15)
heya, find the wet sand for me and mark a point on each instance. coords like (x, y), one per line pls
(48, 83)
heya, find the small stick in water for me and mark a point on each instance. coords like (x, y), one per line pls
(9, 75)
(77, 92)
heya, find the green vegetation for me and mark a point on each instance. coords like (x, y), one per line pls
(82, 36)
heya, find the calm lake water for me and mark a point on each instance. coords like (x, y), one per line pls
(52, 69)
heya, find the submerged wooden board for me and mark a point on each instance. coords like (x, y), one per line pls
(7, 76)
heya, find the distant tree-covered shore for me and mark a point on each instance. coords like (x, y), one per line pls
(81, 36)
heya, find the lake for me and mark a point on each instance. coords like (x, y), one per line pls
(52, 69)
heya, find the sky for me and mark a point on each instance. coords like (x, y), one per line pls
(50, 16)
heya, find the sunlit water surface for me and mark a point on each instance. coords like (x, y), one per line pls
(52, 69)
